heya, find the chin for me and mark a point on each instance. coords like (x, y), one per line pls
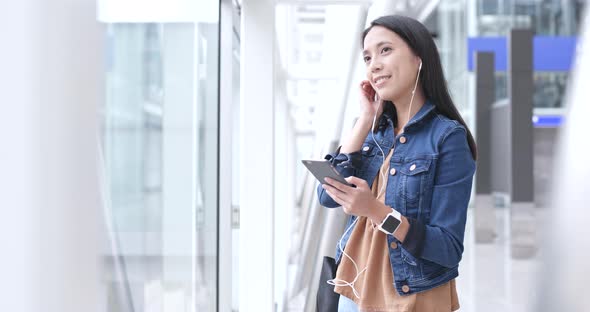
(387, 95)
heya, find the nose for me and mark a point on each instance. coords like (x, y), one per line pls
(375, 66)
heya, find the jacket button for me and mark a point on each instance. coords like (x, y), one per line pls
(402, 140)
(393, 245)
(406, 289)
(392, 171)
(366, 148)
(412, 167)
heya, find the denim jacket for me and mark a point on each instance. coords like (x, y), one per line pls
(431, 186)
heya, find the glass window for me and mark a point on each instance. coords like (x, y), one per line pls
(159, 143)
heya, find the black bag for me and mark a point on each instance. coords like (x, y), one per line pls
(327, 299)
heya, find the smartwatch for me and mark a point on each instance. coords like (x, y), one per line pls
(391, 222)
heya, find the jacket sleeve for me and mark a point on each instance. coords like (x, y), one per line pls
(346, 164)
(441, 240)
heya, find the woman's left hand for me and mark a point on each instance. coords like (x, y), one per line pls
(358, 201)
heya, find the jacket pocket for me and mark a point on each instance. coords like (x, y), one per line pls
(414, 174)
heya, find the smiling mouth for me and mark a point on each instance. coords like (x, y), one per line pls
(381, 80)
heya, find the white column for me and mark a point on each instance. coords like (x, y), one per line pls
(284, 180)
(70, 90)
(226, 129)
(52, 70)
(563, 282)
(19, 219)
(257, 157)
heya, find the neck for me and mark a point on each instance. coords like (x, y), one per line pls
(402, 107)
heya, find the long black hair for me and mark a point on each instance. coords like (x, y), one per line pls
(432, 79)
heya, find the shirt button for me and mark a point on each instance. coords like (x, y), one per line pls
(393, 245)
(366, 148)
(406, 289)
(402, 140)
(412, 167)
(392, 171)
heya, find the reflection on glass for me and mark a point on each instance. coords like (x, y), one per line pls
(159, 142)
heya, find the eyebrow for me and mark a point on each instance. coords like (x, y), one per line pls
(378, 45)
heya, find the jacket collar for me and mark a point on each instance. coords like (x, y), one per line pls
(421, 114)
(424, 111)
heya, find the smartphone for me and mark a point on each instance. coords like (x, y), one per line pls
(324, 169)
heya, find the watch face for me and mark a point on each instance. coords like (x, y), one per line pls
(390, 224)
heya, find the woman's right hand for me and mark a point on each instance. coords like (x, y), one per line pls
(370, 101)
(369, 106)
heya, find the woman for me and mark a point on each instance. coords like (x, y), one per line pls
(412, 172)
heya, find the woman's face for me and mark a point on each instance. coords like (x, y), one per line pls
(391, 65)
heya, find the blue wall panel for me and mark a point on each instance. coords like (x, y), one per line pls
(549, 53)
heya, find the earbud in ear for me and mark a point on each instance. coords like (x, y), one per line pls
(420, 67)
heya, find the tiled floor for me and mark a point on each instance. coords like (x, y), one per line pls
(490, 280)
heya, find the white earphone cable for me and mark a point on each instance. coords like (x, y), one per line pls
(341, 282)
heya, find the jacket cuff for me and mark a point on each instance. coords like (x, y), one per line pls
(345, 163)
(414, 241)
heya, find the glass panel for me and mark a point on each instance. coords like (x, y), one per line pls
(159, 142)
(449, 20)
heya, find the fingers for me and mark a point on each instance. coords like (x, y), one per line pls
(368, 90)
(338, 198)
(335, 190)
(338, 185)
(356, 181)
(336, 195)
(352, 199)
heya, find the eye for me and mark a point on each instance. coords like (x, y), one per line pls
(366, 59)
(386, 49)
